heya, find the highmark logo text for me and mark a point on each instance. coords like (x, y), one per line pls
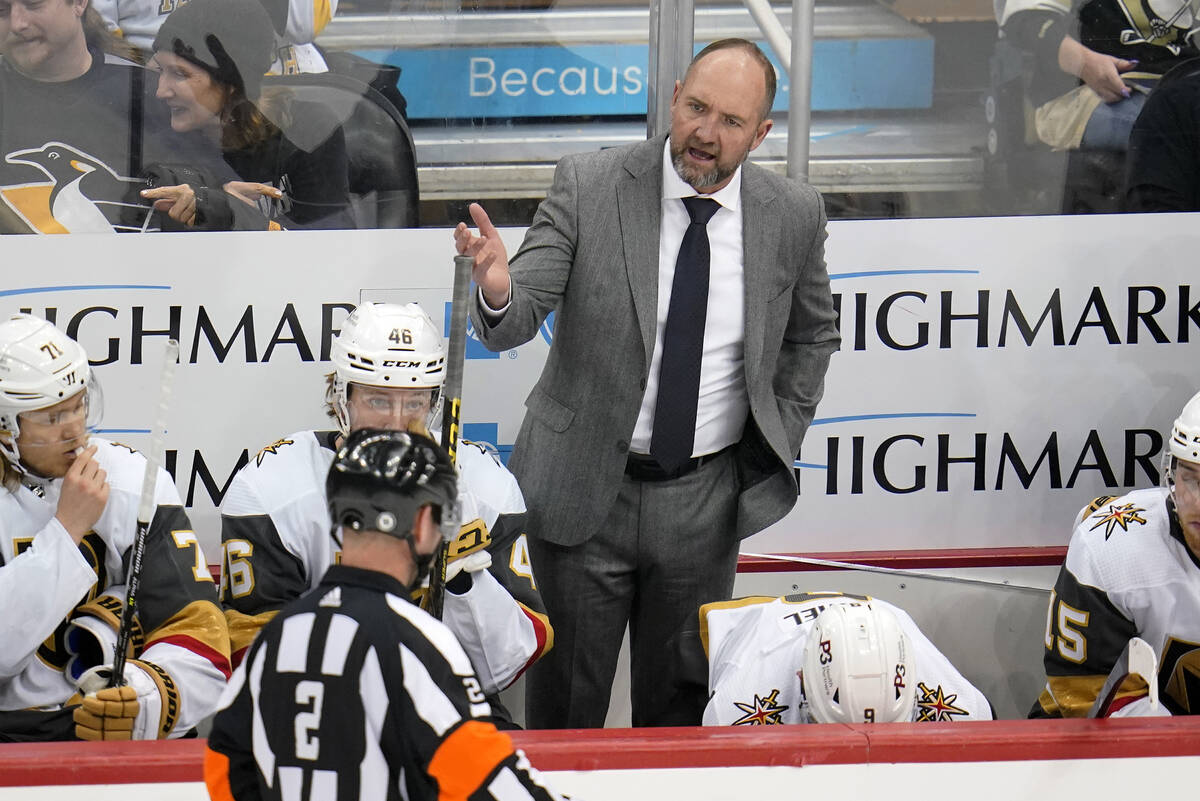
(964, 317)
(865, 453)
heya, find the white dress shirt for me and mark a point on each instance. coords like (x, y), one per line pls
(723, 403)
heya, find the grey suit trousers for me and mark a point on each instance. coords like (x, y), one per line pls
(664, 549)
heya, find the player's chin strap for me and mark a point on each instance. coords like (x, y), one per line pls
(895, 571)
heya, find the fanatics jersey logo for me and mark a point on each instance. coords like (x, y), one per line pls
(935, 705)
(272, 448)
(1114, 516)
(762, 711)
(82, 195)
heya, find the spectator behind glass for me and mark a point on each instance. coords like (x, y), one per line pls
(1163, 171)
(1116, 48)
(211, 56)
(297, 22)
(77, 122)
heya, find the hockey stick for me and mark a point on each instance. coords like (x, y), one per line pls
(895, 571)
(452, 406)
(146, 507)
(1137, 659)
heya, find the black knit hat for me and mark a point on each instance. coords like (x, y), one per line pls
(231, 39)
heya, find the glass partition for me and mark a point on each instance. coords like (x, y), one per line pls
(403, 111)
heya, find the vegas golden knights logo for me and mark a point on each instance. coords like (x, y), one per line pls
(80, 193)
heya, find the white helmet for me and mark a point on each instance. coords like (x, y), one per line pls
(39, 367)
(387, 345)
(858, 666)
(1184, 443)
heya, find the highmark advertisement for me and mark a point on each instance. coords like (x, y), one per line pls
(994, 376)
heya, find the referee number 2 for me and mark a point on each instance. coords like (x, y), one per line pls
(310, 694)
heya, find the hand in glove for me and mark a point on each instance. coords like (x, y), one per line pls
(464, 567)
(131, 711)
(108, 714)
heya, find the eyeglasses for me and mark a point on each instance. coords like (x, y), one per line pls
(391, 405)
(74, 413)
(1187, 485)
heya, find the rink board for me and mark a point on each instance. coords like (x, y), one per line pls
(994, 375)
(1020, 759)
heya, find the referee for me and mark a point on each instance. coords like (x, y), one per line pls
(351, 691)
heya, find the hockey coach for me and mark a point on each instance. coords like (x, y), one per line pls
(694, 325)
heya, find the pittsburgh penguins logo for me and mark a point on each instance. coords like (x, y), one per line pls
(81, 194)
(1163, 23)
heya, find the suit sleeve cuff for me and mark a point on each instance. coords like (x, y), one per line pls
(493, 316)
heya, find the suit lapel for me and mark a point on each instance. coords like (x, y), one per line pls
(639, 199)
(759, 244)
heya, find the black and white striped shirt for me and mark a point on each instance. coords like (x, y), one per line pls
(352, 692)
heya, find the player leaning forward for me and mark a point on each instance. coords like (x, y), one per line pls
(352, 691)
(1132, 570)
(390, 364)
(68, 515)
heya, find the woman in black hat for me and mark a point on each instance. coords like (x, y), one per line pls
(211, 56)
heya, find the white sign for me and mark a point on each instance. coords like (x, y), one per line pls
(994, 375)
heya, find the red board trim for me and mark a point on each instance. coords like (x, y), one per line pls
(27, 764)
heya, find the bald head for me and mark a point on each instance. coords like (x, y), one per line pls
(755, 56)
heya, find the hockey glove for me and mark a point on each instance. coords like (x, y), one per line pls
(91, 634)
(132, 711)
(464, 567)
(108, 714)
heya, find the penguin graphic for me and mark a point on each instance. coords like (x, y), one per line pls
(82, 194)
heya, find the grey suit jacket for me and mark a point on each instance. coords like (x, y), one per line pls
(592, 254)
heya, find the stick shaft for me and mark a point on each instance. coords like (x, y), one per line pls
(145, 513)
(452, 405)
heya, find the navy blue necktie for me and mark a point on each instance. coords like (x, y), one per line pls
(674, 431)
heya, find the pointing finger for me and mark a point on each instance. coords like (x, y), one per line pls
(482, 221)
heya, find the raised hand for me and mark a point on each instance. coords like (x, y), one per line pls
(491, 257)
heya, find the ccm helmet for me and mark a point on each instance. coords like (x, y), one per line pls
(39, 367)
(1184, 443)
(858, 666)
(387, 345)
(380, 479)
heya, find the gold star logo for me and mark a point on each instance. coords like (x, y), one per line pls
(762, 711)
(935, 705)
(1122, 516)
(272, 448)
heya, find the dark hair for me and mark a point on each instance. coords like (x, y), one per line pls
(243, 123)
(756, 53)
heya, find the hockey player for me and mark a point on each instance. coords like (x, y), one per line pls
(1132, 570)
(824, 657)
(352, 691)
(68, 512)
(389, 367)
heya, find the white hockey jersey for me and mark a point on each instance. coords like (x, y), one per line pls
(276, 545)
(755, 649)
(1128, 573)
(49, 587)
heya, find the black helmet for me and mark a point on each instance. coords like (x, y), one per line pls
(379, 479)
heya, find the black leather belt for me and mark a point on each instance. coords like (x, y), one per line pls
(642, 467)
